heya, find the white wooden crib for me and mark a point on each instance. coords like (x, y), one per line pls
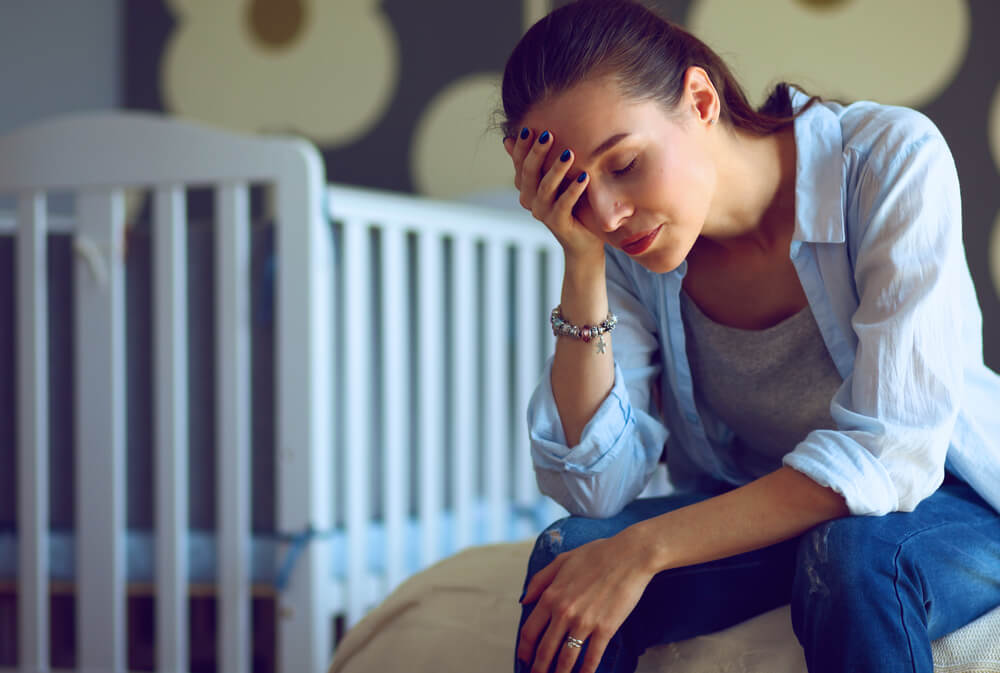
(408, 335)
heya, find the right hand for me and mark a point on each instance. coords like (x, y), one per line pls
(545, 197)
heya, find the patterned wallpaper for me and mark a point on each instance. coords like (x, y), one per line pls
(398, 94)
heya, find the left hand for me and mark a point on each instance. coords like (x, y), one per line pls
(587, 593)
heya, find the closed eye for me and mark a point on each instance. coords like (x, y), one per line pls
(623, 171)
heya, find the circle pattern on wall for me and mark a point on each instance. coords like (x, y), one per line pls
(995, 255)
(373, 92)
(453, 153)
(903, 52)
(994, 127)
(289, 76)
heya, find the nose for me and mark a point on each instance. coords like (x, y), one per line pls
(610, 209)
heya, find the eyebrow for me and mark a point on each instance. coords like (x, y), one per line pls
(608, 144)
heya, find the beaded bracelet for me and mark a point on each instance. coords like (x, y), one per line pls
(586, 333)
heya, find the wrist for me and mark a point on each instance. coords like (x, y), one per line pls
(585, 263)
(584, 297)
(646, 545)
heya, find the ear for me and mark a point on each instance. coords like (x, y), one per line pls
(700, 96)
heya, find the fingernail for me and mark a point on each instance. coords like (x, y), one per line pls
(524, 133)
(544, 138)
(564, 156)
(582, 177)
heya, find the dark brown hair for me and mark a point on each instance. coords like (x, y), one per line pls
(646, 54)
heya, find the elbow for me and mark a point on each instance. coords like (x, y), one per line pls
(584, 496)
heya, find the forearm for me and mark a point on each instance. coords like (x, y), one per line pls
(776, 507)
(581, 376)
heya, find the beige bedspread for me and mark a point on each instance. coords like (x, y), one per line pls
(461, 615)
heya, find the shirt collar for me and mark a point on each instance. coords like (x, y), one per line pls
(819, 211)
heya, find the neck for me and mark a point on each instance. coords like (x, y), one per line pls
(755, 197)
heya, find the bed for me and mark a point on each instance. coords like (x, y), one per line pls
(346, 430)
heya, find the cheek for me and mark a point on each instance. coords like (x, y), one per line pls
(685, 189)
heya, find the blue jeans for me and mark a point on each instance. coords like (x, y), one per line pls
(866, 593)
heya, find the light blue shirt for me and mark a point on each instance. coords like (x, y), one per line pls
(878, 251)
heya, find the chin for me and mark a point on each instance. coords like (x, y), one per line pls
(660, 263)
(665, 258)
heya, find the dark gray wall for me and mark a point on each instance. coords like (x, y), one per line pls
(57, 56)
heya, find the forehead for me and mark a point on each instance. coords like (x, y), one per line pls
(584, 115)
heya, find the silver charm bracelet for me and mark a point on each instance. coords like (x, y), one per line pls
(586, 333)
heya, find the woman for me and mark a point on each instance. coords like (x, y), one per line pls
(777, 304)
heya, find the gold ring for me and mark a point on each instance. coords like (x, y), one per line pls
(573, 642)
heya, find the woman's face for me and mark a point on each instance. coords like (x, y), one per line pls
(651, 175)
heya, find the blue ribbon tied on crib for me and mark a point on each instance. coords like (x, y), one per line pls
(298, 542)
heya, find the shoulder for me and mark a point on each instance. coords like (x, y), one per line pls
(884, 134)
(900, 179)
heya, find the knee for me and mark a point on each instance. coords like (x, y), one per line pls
(555, 539)
(563, 535)
(840, 561)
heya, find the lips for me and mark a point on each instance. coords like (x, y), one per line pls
(639, 245)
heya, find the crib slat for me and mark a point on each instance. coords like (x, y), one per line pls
(100, 431)
(463, 372)
(357, 337)
(526, 372)
(171, 431)
(553, 294)
(304, 405)
(497, 446)
(232, 353)
(33, 434)
(395, 388)
(430, 368)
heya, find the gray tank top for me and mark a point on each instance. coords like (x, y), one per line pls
(771, 387)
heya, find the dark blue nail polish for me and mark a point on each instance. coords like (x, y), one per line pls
(583, 176)
(524, 133)
(564, 156)
(544, 138)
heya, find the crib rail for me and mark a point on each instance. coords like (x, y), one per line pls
(408, 332)
(457, 291)
(95, 158)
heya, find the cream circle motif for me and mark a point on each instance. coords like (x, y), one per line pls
(995, 255)
(454, 154)
(994, 127)
(321, 68)
(902, 52)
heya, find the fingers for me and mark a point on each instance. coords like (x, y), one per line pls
(550, 186)
(568, 654)
(557, 644)
(541, 580)
(522, 143)
(563, 207)
(531, 168)
(596, 645)
(508, 144)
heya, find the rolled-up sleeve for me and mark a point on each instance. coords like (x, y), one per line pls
(896, 412)
(622, 443)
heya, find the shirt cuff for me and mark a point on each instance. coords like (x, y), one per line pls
(834, 459)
